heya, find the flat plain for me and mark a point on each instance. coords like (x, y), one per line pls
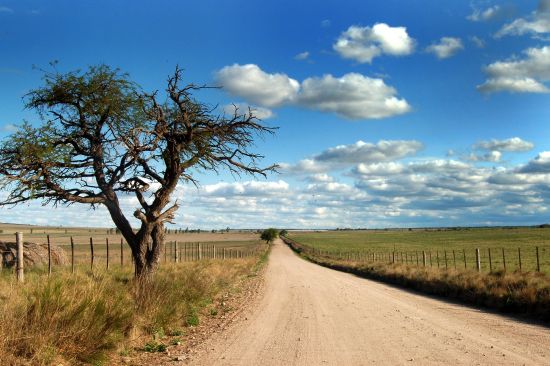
(439, 241)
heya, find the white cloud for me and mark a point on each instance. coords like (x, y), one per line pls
(541, 164)
(351, 96)
(247, 188)
(257, 86)
(5, 9)
(343, 156)
(363, 152)
(519, 75)
(537, 23)
(491, 150)
(490, 13)
(477, 41)
(513, 144)
(258, 112)
(447, 47)
(302, 56)
(320, 178)
(325, 23)
(9, 127)
(379, 169)
(490, 156)
(416, 192)
(363, 44)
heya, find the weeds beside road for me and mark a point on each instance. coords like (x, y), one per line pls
(88, 317)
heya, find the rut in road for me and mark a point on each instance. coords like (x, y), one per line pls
(311, 315)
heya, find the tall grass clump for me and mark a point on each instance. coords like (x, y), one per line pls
(75, 318)
(82, 318)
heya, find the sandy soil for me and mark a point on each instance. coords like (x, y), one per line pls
(310, 315)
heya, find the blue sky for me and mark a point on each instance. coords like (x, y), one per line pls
(390, 113)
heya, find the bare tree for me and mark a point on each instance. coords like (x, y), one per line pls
(102, 138)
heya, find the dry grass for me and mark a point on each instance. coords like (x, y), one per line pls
(526, 293)
(83, 318)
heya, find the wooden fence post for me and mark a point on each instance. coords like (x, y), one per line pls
(445, 254)
(121, 252)
(464, 256)
(538, 263)
(72, 255)
(213, 252)
(107, 247)
(503, 260)
(199, 248)
(49, 256)
(424, 258)
(223, 253)
(519, 258)
(20, 257)
(91, 253)
(478, 260)
(454, 259)
(437, 257)
(490, 260)
(175, 251)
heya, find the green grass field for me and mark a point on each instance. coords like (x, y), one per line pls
(436, 242)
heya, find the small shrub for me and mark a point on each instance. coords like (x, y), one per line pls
(153, 347)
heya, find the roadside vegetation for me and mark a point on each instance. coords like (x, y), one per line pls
(524, 292)
(89, 317)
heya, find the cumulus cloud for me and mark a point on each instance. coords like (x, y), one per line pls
(361, 152)
(352, 96)
(258, 112)
(525, 75)
(255, 85)
(302, 56)
(447, 47)
(513, 144)
(490, 156)
(363, 44)
(247, 188)
(320, 178)
(536, 24)
(541, 164)
(418, 191)
(491, 150)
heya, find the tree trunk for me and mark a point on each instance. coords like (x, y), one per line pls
(145, 244)
(146, 251)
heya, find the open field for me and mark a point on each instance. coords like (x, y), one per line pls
(436, 242)
(232, 243)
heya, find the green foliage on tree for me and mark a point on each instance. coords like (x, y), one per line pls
(102, 138)
(269, 235)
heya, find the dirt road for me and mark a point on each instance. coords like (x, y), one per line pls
(310, 315)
